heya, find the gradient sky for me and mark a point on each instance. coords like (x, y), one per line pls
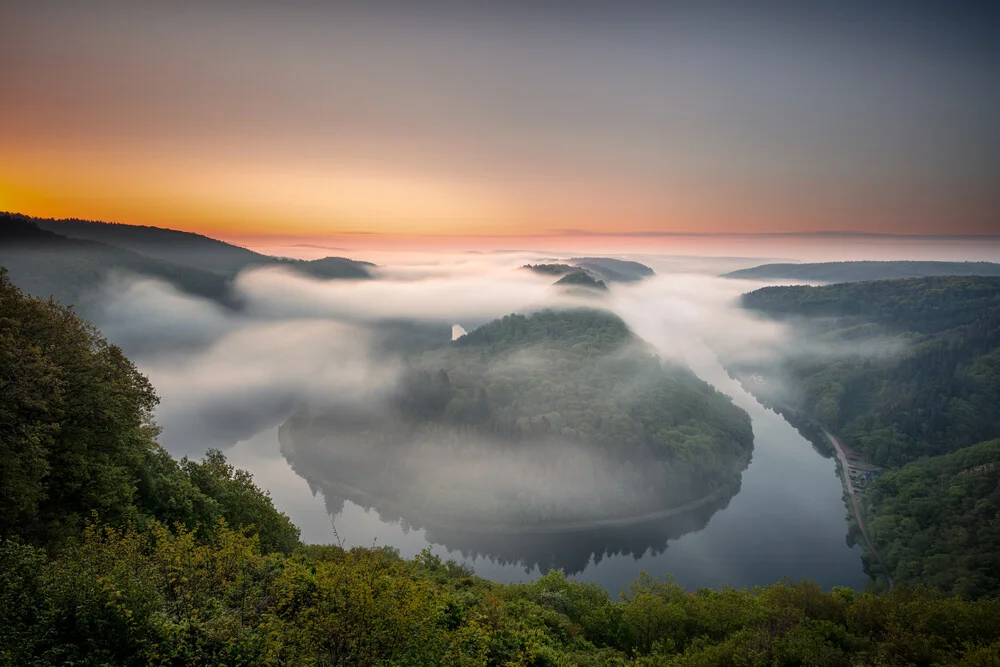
(560, 119)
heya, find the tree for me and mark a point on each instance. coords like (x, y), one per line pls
(77, 420)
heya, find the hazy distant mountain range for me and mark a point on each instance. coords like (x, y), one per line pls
(68, 258)
(849, 272)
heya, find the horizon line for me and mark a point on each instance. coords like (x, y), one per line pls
(551, 233)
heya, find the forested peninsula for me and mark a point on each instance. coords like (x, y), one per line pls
(551, 420)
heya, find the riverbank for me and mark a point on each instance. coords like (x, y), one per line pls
(820, 437)
(844, 467)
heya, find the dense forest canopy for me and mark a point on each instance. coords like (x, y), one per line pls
(560, 416)
(923, 401)
(937, 522)
(935, 388)
(159, 562)
(843, 272)
(77, 439)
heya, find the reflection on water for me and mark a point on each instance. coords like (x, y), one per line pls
(574, 551)
(787, 519)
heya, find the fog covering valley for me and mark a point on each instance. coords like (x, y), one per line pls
(301, 339)
(229, 378)
(513, 410)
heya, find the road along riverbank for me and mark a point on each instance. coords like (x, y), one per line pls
(845, 474)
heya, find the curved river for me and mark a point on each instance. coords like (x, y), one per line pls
(787, 519)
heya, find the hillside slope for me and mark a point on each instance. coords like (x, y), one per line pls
(46, 264)
(907, 372)
(906, 368)
(937, 522)
(71, 259)
(198, 251)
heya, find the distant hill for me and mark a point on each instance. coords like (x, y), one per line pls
(581, 278)
(70, 258)
(551, 269)
(850, 272)
(614, 270)
(599, 269)
(196, 250)
(46, 264)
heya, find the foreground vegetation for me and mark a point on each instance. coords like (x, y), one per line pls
(938, 521)
(908, 374)
(112, 553)
(176, 598)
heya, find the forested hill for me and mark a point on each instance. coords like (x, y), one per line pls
(77, 440)
(556, 418)
(614, 270)
(581, 279)
(932, 390)
(46, 264)
(196, 250)
(599, 269)
(113, 553)
(937, 522)
(70, 259)
(845, 272)
(925, 305)
(904, 370)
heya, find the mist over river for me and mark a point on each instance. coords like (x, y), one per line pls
(234, 377)
(787, 519)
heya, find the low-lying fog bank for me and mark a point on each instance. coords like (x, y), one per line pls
(225, 375)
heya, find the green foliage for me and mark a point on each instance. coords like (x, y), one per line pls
(76, 437)
(937, 521)
(75, 420)
(924, 375)
(162, 597)
(583, 375)
(932, 390)
(241, 502)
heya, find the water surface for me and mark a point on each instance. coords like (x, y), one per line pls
(787, 519)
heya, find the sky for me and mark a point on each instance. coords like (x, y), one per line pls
(518, 123)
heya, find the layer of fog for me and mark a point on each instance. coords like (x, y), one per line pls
(477, 484)
(224, 375)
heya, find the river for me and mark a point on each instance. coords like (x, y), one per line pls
(787, 519)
